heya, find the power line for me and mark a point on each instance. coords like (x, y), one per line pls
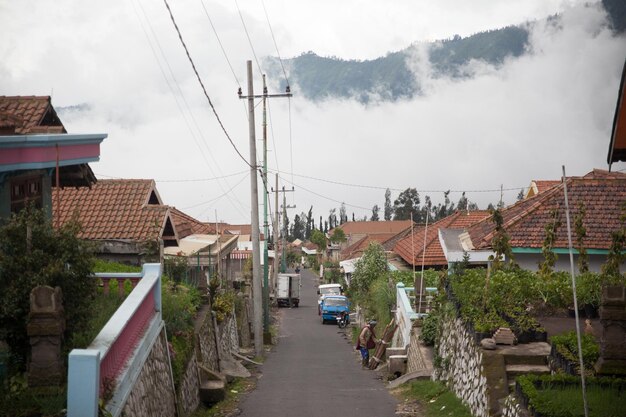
(275, 45)
(269, 113)
(220, 43)
(180, 36)
(323, 196)
(374, 187)
(219, 196)
(248, 36)
(198, 142)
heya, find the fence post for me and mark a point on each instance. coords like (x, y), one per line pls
(83, 383)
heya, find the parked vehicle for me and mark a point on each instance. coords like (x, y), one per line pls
(327, 289)
(332, 306)
(343, 319)
(288, 290)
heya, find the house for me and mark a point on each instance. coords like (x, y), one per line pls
(359, 234)
(538, 186)
(617, 146)
(601, 193)
(125, 218)
(423, 245)
(37, 154)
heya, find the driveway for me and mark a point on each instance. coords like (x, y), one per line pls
(314, 370)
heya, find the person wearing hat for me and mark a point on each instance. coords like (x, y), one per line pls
(367, 341)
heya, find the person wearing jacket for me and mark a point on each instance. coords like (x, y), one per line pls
(367, 341)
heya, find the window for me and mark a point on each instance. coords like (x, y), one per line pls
(25, 191)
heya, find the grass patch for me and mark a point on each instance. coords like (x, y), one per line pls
(436, 399)
(21, 401)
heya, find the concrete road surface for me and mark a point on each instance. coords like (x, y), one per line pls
(313, 370)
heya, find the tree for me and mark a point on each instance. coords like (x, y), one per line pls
(581, 233)
(309, 224)
(319, 239)
(332, 219)
(370, 266)
(500, 242)
(615, 257)
(388, 212)
(325, 226)
(375, 211)
(343, 217)
(407, 203)
(353, 217)
(549, 256)
(338, 236)
(321, 225)
(297, 229)
(34, 253)
(462, 204)
(520, 195)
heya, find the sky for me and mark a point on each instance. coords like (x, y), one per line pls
(498, 128)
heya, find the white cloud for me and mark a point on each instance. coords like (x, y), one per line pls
(505, 126)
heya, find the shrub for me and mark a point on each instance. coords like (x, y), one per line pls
(567, 345)
(54, 257)
(180, 303)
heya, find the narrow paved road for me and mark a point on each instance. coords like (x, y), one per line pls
(313, 370)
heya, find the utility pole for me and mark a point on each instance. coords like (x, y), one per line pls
(256, 253)
(251, 97)
(276, 217)
(283, 263)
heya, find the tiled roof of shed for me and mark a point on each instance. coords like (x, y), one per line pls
(114, 209)
(602, 194)
(412, 249)
(186, 225)
(357, 248)
(21, 115)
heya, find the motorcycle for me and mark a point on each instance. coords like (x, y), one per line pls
(343, 319)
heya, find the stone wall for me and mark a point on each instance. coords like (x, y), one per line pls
(460, 364)
(189, 390)
(153, 392)
(512, 408)
(415, 361)
(206, 349)
(227, 336)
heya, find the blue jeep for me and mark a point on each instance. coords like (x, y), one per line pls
(332, 306)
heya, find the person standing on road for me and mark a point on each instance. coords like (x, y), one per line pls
(367, 341)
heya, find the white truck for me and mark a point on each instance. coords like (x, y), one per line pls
(288, 290)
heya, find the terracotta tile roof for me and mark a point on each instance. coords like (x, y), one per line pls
(356, 249)
(374, 227)
(114, 209)
(21, 115)
(411, 249)
(236, 229)
(525, 221)
(186, 225)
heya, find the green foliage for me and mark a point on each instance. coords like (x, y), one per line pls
(180, 303)
(54, 257)
(338, 236)
(103, 307)
(589, 289)
(581, 233)
(107, 266)
(388, 210)
(549, 256)
(567, 345)
(176, 268)
(18, 400)
(181, 349)
(223, 305)
(319, 239)
(407, 204)
(436, 399)
(371, 266)
(501, 241)
(616, 250)
(560, 395)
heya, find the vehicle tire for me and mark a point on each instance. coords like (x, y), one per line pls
(323, 320)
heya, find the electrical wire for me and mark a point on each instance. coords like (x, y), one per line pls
(275, 44)
(323, 196)
(220, 43)
(198, 142)
(180, 36)
(219, 196)
(186, 180)
(248, 36)
(269, 113)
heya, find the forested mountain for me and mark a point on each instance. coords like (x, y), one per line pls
(389, 78)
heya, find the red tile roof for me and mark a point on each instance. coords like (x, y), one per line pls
(114, 209)
(601, 192)
(356, 249)
(411, 249)
(21, 115)
(186, 225)
(374, 227)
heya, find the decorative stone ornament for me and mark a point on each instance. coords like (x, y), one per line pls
(46, 324)
(613, 320)
(504, 336)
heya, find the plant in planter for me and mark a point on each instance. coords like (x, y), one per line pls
(588, 292)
